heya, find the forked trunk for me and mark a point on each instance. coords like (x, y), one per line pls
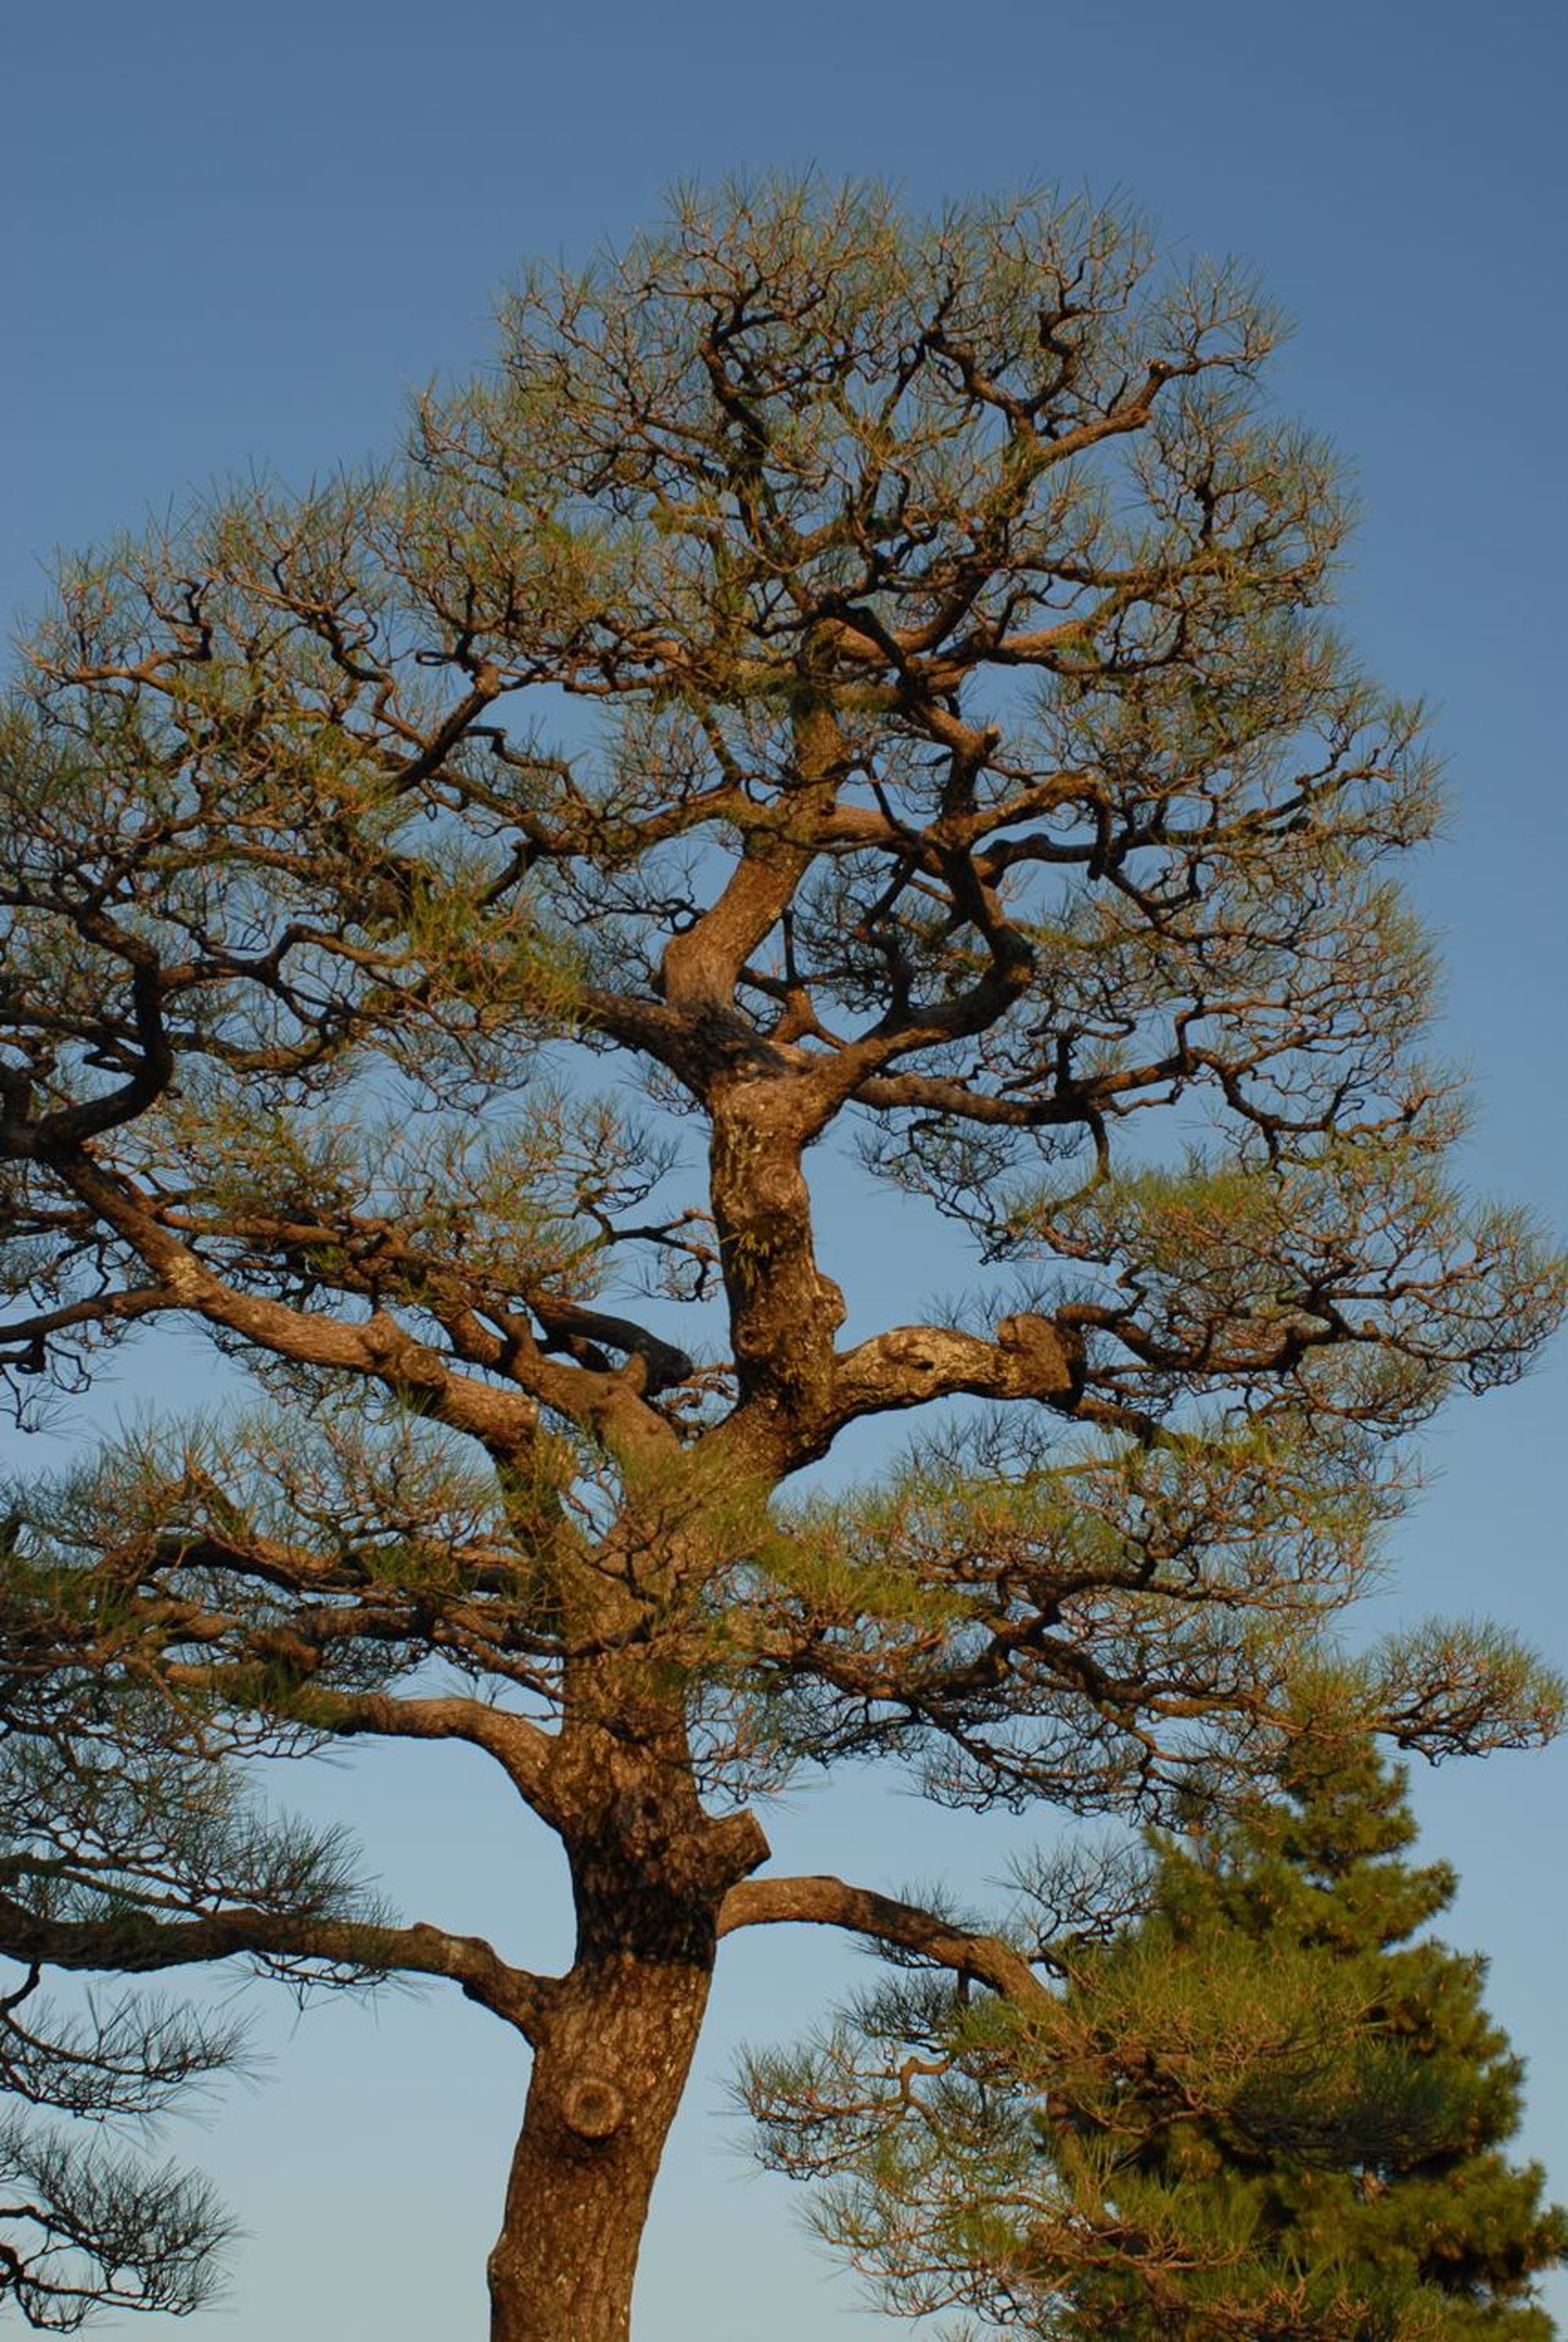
(607, 2079)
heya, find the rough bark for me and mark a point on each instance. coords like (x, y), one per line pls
(607, 2078)
(614, 2045)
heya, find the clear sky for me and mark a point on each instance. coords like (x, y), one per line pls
(235, 237)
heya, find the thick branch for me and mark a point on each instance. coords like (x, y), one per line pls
(1031, 1357)
(377, 1346)
(135, 1946)
(584, 1331)
(523, 1751)
(828, 1902)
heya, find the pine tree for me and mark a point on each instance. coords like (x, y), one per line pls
(1395, 2178)
(1269, 2106)
(839, 683)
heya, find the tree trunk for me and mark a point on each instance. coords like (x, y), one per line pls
(607, 2078)
(613, 2043)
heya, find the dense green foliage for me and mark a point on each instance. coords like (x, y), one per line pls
(1268, 2105)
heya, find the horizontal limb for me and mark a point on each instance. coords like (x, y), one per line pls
(134, 1944)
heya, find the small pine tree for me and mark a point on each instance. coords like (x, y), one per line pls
(1378, 2169)
(1268, 2107)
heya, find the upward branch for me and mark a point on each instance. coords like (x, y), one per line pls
(824, 1902)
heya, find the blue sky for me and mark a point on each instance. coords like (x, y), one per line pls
(237, 238)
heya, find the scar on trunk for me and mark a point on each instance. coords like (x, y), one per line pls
(592, 2108)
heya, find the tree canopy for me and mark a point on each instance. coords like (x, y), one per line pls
(835, 676)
